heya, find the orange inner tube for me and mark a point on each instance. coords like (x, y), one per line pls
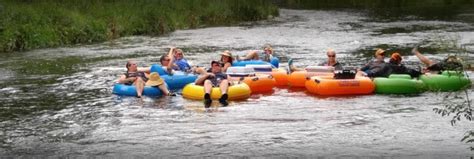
(298, 78)
(280, 76)
(260, 83)
(331, 86)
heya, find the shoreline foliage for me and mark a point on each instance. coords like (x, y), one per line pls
(33, 24)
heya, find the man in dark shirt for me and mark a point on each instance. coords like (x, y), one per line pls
(215, 78)
(376, 68)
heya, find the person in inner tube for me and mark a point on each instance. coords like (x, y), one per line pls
(177, 60)
(215, 78)
(139, 78)
(331, 61)
(377, 67)
(396, 67)
(266, 55)
(226, 60)
(451, 63)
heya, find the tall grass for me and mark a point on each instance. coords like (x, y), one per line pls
(31, 24)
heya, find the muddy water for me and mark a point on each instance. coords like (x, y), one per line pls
(58, 102)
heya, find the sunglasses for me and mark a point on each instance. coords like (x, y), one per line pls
(131, 64)
(331, 55)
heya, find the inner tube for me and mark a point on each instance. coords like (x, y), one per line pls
(327, 86)
(158, 68)
(446, 81)
(275, 62)
(260, 83)
(298, 78)
(177, 80)
(235, 92)
(398, 84)
(279, 74)
(130, 90)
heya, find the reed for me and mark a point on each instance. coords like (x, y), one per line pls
(31, 24)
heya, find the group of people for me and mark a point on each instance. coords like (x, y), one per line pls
(215, 76)
(379, 68)
(174, 60)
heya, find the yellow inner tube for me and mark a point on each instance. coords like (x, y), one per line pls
(235, 92)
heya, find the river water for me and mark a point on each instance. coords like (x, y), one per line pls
(58, 102)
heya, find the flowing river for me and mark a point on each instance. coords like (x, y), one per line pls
(59, 103)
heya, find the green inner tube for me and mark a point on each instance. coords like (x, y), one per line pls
(398, 84)
(446, 81)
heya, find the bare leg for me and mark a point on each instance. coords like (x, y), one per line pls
(163, 89)
(207, 95)
(293, 69)
(200, 70)
(139, 85)
(207, 86)
(253, 55)
(224, 85)
(422, 58)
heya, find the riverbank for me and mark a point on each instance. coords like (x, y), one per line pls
(26, 25)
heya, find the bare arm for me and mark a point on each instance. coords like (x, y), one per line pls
(171, 56)
(226, 65)
(123, 79)
(145, 69)
(202, 78)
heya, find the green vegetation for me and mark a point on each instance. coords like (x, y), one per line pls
(458, 104)
(28, 24)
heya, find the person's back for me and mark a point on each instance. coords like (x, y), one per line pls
(376, 69)
(396, 67)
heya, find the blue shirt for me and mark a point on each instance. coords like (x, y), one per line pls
(182, 65)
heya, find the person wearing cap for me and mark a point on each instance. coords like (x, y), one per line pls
(226, 60)
(215, 78)
(266, 55)
(331, 61)
(450, 63)
(377, 67)
(396, 67)
(137, 77)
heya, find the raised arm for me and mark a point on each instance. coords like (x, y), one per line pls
(171, 53)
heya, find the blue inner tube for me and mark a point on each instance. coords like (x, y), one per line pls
(275, 62)
(177, 80)
(158, 68)
(130, 90)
